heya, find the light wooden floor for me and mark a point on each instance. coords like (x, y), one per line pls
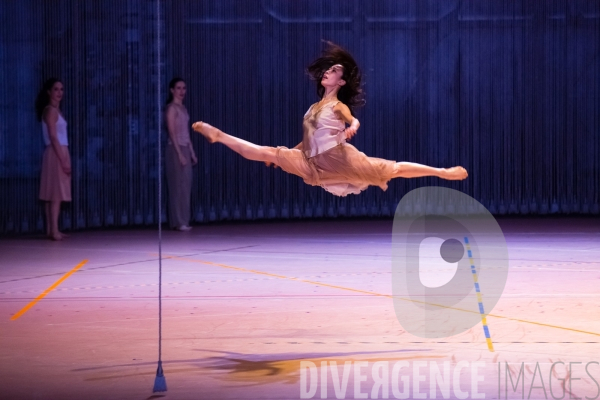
(245, 303)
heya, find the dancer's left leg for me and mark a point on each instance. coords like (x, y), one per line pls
(48, 218)
(54, 209)
(414, 170)
(244, 148)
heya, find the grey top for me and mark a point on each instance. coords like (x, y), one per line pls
(182, 120)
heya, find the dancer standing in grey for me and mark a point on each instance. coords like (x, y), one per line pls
(180, 157)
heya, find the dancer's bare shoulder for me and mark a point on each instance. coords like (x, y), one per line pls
(343, 112)
(172, 109)
(340, 107)
(50, 115)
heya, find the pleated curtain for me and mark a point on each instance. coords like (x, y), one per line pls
(508, 89)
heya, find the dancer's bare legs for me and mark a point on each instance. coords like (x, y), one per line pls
(47, 213)
(414, 170)
(267, 154)
(244, 148)
(52, 213)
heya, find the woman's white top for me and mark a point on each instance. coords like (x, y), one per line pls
(323, 129)
(61, 131)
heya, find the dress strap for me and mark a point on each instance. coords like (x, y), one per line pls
(326, 105)
(331, 105)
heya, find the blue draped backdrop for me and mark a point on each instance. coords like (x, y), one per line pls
(508, 89)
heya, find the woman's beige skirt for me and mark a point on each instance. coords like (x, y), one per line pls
(55, 185)
(341, 170)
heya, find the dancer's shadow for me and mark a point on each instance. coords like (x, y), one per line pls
(259, 369)
(252, 369)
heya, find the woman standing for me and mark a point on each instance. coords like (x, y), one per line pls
(324, 158)
(180, 157)
(55, 185)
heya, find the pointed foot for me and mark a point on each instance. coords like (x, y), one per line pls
(455, 173)
(209, 132)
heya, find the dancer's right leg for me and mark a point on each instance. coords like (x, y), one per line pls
(48, 219)
(54, 213)
(244, 148)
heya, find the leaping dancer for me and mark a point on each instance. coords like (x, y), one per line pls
(324, 158)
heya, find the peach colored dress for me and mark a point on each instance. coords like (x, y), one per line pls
(55, 184)
(326, 159)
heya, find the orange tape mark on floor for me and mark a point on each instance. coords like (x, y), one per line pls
(45, 292)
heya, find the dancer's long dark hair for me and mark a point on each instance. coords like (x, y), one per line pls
(43, 98)
(172, 84)
(351, 93)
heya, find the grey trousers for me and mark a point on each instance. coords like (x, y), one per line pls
(179, 185)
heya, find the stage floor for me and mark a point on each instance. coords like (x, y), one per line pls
(244, 304)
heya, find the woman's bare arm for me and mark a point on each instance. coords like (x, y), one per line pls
(170, 117)
(343, 113)
(50, 118)
(192, 153)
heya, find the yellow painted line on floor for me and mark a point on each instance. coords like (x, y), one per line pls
(374, 293)
(45, 292)
(486, 329)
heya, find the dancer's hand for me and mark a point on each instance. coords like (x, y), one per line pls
(343, 113)
(350, 132)
(269, 163)
(66, 167)
(194, 160)
(182, 160)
